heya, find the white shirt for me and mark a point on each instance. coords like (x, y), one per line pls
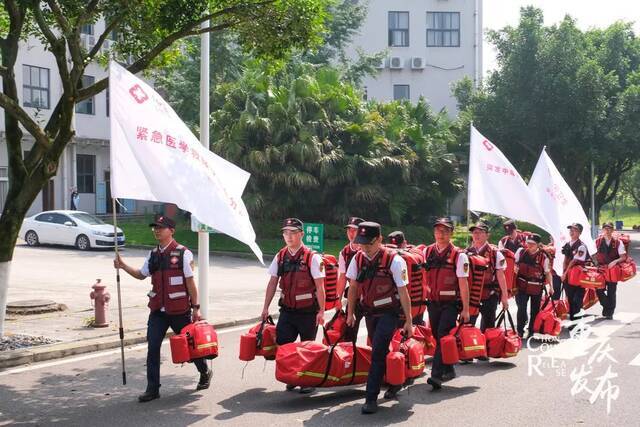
(187, 259)
(545, 265)
(621, 250)
(462, 265)
(581, 253)
(342, 263)
(398, 270)
(317, 266)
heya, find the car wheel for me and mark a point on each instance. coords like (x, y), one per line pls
(82, 242)
(32, 238)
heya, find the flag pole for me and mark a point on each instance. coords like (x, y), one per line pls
(468, 177)
(120, 328)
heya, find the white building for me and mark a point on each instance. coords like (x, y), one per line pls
(431, 44)
(85, 161)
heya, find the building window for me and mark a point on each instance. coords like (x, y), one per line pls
(399, 29)
(35, 87)
(401, 92)
(87, 106)
(443, 29)
(87, 29)
(86, 167)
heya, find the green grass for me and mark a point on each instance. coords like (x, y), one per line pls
(629, 215)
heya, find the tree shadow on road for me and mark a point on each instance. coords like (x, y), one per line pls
(258, 400)
(97, 397)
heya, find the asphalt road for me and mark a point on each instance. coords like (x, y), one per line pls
(87, 390)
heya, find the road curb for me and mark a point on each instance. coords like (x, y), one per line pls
(42, 353)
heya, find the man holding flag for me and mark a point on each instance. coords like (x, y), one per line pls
(173, 300)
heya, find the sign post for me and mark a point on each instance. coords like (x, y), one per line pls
(314, 236)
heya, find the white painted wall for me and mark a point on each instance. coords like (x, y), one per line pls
(445, 65)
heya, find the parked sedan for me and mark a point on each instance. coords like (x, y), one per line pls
(74, 228)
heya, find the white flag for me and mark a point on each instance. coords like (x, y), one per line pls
(154, 156)
(495, 186)
(559, 206)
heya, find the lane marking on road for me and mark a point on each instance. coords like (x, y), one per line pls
(103, 353)
(578, 347)
(635, 361)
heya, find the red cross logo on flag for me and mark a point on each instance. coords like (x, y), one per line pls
(138, 94)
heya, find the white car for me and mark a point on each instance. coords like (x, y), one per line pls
(76, 228)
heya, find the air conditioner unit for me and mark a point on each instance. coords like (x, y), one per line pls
(417, 63)
(395, 63)
(382, 64)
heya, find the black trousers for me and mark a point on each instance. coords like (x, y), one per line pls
(557, 286)
(488, 309)
(292, 324)
(607, 298)
(575, 295)
(522, 301)
(442, 318)
(352, 333)
(158, 324)
(380, 329)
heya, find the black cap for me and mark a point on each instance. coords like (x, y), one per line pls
(396, 238)
(608, 225)
(577, 226)
(480, 226)
(368, 231)
(354, 221)
(533, 237)
(163, 222)
(509, 224)
(446, 221)
(292, 224)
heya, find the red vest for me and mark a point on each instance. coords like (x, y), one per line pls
(570, 251)
(297, 285)
(348, 254)
(489, 252)
(513, 246)
(441, 273)
(378, 290)
(531, 267)
(606, 254)
(167, 277)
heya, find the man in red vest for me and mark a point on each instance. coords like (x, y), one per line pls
(513, 240)
(447, 272)
(344, 259)
(610, 251)
(173, 300)
(378, 277)
(575, 253)
(300, 273)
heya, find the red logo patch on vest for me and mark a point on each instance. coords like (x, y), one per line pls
(174, 260)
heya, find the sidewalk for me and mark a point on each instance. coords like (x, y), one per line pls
(65, 275)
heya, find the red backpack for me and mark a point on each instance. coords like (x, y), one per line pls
(331, 297)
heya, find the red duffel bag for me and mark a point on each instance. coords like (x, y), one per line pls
(546, 321)
(413, 351)
(336, 328)
(622, 271)
(259, 341)
(449, 349)
(471, 342)
(201, 341)
(588, 277)
(590, 299)
(313, 364)
(503, 342)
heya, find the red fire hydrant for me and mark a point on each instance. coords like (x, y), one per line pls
(100, 301)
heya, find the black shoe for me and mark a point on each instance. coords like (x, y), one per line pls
(609, 317)
(205, 380)
(307, 390)
(290, 387)
(392, 391)
(148, 396)
(435, 383)
(448, 376)
(483, 359)
(370, 407)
